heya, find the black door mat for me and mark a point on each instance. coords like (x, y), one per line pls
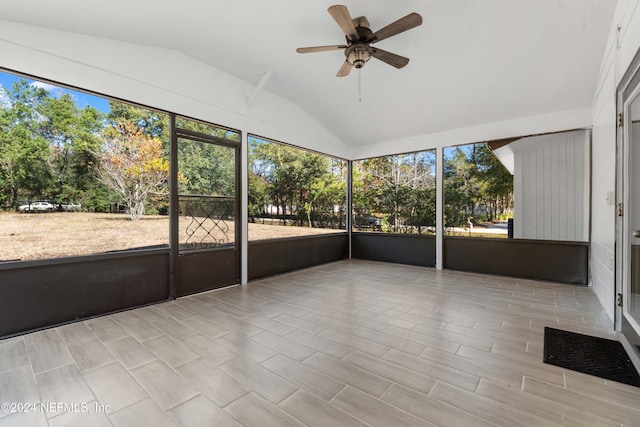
(590, 355)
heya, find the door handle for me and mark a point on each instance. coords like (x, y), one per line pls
(636, 233)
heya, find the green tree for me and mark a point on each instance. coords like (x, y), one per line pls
(131, 164)
(304, 186)
(23, 152)
(72, 134)
(399, 188)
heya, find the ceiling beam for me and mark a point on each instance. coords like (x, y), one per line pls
(263, 81)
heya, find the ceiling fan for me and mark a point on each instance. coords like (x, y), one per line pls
(358, 49)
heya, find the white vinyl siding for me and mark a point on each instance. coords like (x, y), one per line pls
(551, 187)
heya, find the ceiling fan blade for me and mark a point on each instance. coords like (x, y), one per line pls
(361, 21)
(410, 21)
(320, 48)
(341, 15)
(344, 70)
(390, 58)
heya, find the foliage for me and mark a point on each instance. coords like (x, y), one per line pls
(52, 149)
(131, 164)
(398, 191)
(476, 185)
(296, 185)
(45, 146)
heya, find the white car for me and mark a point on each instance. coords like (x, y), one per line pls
(36, 207)
(71, 207)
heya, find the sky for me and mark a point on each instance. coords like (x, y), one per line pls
(82, 99)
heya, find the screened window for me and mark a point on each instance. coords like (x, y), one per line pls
(395, 194)
(294, 192)
(478, 193)
(79, 174)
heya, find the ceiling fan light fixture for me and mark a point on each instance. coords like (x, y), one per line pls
(357, 54)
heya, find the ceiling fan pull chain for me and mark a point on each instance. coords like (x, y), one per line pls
(360, 84)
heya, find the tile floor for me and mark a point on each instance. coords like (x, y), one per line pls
(352, 343)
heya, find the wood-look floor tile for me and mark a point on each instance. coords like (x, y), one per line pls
(41, 337)
(591, 405)
(373, 411)
(74, 332)
(324, 345)
(197, 342)
(139, 328)
(106, 329)
(163, 384)
(474, 342)
(13, 354)
(328, 322)
(150, 314)
(17, 385)
(314, 412)
(114, 386)
(90, 353)
(130, 352)
(539, 406)
(254, 411)
(434, 369)
(283, 345)
(49, 355)
(63, 385)
(259, 379)
(201, 412)
(22, 419)
(213, 382)
(231, 310)
(207, 327)
(349, 374)
(172, 352)
(529, 368)
(597, 387)
(430, 409)
(270, 325)
(217, 354)
(145, 412)
(474, 367)
(389, 341)
(299, 323)
(426, 340)
(245, 346)
(391, 371)
(175, 328)
(175, 311)
(354, 342)
(304, 376)
(286, 308)
(485, 408)
(382, 333)
(89, 415)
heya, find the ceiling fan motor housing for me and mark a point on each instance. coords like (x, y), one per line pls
(357, 54)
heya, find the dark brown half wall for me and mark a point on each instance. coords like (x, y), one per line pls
(275, 256)
(41, 295)
(397, 248)
(206, 270)
(555, 261)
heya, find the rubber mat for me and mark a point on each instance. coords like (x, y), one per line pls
(590, 355)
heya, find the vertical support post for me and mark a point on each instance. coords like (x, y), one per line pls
(349, 201)
(244, 203)
(439, 208)
(173, 206)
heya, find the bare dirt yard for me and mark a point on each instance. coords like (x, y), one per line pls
(63, 234)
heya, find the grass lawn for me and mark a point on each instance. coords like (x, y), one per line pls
(63, 234)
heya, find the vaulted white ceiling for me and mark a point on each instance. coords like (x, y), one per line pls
(473, 62)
